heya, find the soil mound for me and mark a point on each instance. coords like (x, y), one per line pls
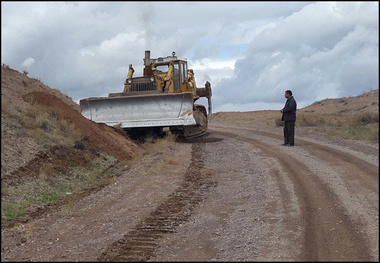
(18, 90)
(111, 140)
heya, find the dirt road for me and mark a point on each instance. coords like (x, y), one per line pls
(234, 195)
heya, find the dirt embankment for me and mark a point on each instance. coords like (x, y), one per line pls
(19, 94)
(22, 158)
(113, 141)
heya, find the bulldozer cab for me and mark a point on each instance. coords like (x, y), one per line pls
(175, 68)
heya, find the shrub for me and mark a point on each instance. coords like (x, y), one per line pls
(50, 185)
(367, 118)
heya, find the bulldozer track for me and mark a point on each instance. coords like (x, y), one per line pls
(140, 243)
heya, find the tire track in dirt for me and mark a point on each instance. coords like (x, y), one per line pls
(140, 243)
(329, 234)
(367, 173)
(356, 169)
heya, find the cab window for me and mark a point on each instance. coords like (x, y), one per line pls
(176, 77)
(162, 68)
(183, 72)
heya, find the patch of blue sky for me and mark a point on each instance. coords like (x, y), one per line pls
(232, 51)
(217, 50)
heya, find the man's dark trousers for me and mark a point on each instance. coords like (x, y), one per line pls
(289, 132)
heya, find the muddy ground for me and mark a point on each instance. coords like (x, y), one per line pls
(234, 195)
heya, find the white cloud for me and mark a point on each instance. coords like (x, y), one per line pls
(251, 52)
(28, 62)
(317, 53)
(208, 63)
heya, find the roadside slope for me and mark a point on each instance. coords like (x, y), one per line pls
(44, 135)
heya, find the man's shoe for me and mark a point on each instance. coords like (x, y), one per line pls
(284, 144)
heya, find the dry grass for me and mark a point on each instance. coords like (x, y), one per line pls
(350, 118)
(29, 129)
(51, 186)
(156, 144)
(43, 125)
(46, 126)
(364, 126)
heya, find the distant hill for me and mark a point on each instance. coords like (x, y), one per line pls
(350, 106)
(367, 102)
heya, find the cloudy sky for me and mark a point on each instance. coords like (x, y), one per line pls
(250, 52)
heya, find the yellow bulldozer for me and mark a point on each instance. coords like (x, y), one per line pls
(163, 98)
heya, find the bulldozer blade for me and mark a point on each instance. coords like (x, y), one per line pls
(153, 110)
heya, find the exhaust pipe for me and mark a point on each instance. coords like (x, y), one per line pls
(147, 58)
(148, 68)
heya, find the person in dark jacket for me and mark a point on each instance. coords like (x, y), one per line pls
(289, 118)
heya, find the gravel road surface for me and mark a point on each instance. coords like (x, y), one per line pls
(234, 195)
